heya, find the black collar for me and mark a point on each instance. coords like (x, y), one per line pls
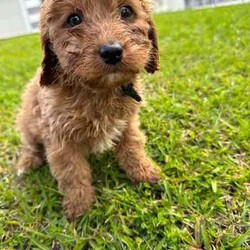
(130, 91)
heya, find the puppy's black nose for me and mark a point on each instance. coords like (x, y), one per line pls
(111, 53)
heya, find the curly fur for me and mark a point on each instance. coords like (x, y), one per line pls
(74, 105)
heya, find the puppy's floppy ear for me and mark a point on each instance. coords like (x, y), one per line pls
(49, 64)
(153, 63)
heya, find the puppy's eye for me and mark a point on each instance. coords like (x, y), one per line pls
(74, 20)
(126, 12)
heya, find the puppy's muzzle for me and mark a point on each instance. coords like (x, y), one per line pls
(111, 53)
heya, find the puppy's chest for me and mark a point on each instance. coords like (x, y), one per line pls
(98, 124)
(103, 123)
(101, 133)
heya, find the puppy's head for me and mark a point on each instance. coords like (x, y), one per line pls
(103, 41)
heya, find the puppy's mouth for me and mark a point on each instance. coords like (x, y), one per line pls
(113, 77)
(122, 68)
(117, 76)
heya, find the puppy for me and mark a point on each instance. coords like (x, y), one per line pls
(86, 96)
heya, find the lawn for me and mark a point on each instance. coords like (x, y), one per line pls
(197, 120)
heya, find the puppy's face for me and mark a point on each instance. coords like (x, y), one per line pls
(99, 41)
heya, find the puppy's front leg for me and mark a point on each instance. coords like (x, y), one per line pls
(132, 157)
(73, 174)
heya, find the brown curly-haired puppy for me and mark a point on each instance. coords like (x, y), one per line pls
(86, 96)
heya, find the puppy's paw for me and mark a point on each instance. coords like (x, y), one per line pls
(28, 161)
(77, 201)
(145, 173)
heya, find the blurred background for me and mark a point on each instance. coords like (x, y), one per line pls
(24, 15)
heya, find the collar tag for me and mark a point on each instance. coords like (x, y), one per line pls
(130, 91)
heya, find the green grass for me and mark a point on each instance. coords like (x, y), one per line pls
(197, 120)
